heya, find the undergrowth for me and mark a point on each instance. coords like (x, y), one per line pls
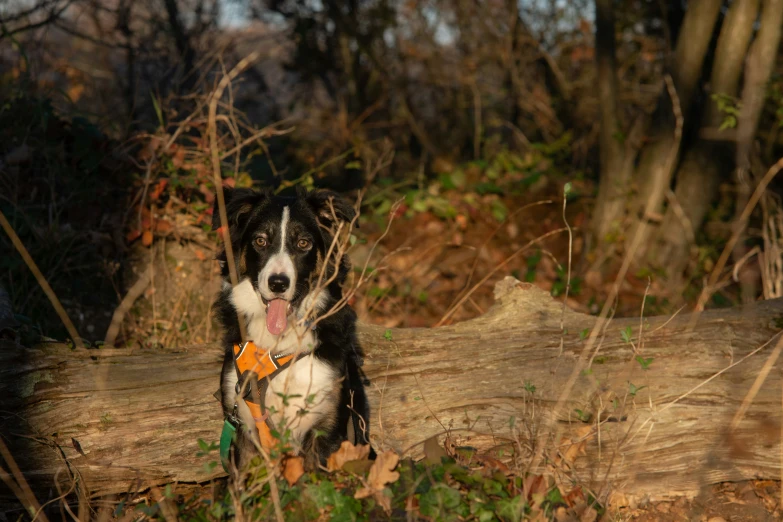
(62, 188)
(444, 490)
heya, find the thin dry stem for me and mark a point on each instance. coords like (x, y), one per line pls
(546, 430)
(23, 491)
(58, 307)
(739, 227)
(754, 389)
(218, 178)
(492, 272)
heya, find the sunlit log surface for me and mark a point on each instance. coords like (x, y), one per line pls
(131, 418)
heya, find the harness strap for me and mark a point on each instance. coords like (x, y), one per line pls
(227, 437)
(255, 370)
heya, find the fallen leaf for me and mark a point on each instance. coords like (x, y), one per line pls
(346, 453)
(381, 473)
(358, 467)
(158, 190)
(589, 515)
(200, 255)
(146, 238)
(132, 235)
(209, 195)
(578, 444)
(163, 227)
(492, 463)
(293, 469)
(576, 495)
(178, 156)
(536, 485)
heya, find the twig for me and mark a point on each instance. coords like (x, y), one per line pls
(739, 226)
(58, 307)
(760, 378)
(125, 305)
(500, 265)
(613, 293)
(489, 238)
(568, 277)
(704, 383)
(27, 497)
(218, 179)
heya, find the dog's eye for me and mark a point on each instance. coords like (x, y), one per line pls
(261, 241)
(304, 244)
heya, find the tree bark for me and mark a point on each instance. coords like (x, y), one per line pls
(758, 68)
(654, 175)
(613, 186)
(129, 419)
(699, 174)
(183, 44)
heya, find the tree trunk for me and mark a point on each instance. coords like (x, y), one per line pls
(131, 418)
(654, 173)
(758, 68)
(184, 46)
(699, 174)
(613, 186)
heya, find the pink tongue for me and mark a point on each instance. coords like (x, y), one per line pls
(276, 319)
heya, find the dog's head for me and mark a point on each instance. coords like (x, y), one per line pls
(280, 245)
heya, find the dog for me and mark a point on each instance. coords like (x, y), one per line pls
(289, 296)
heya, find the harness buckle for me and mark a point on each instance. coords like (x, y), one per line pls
(233, 417)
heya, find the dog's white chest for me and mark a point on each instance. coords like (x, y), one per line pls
(303, 395)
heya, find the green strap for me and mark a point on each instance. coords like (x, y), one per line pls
(226, 439)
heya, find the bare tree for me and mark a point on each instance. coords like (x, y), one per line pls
(758, 68)
(705, 162)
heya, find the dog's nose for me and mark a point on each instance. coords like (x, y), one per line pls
(278, 283)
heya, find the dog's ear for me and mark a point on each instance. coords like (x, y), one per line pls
(330, 208)
(239, 203)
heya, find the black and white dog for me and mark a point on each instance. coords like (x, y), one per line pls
(280, 247)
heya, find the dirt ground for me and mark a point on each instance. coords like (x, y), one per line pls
(749, 501)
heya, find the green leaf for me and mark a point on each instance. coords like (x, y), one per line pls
(626, 334)
(554, 497)
(512, 509)
(583, 416)
(387, 335)
(499, 210)
(644, 363)
(633, 389)
(446, 182)
(458, 178)
(158, 112)
(584, 334)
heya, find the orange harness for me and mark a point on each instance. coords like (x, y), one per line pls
(255, 370)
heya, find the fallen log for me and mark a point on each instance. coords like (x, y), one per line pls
(648, 417)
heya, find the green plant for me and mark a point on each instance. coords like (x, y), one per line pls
(560, 284)
(626, 334)
(644, 363)
(730, 107)
(633, 389)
